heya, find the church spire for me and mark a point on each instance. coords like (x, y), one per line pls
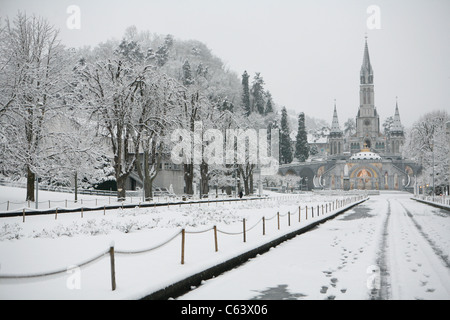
(366, 68)
(396, 125)
(335, 123)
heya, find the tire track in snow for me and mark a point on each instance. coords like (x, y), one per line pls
(433, 245)
(383, 292)
(421, 269)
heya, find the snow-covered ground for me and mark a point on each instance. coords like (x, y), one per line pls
(389, 247)
(43, 244)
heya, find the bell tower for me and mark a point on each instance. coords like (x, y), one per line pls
(367, 120)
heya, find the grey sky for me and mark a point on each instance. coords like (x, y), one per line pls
(309, 52)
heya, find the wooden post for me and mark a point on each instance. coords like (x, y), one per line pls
(66, 203)
(113, 267)
(312, 211)
(318, 211)
(299, 213)
(289, 218)
(306, 212)
(215, 239)
(104, 209)
(264, 226)
(7, 206)
(245, 238)
(183, 236)
(23, 215)
(81, 212)
(278, 218)
(56, 214)
(49, 204)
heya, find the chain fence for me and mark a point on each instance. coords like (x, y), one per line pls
(320, 210)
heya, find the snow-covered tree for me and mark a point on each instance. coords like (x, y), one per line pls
(427, 143)
(301, 142)
(258, 94)
(33, 79)
(285, 139)
(114, 89)
(246, 93)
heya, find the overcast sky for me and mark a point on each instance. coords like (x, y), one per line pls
(309, 52)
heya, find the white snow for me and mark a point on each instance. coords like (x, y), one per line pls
(341, 250)
(345, 258)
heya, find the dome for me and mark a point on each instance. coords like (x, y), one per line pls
(366, 155)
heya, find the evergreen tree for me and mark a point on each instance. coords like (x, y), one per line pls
(269, 104)
(246, 93)
(187, 74)
(301, 143)
(285, 139)
(258, 94)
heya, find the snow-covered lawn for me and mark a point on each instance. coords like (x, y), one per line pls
(44, 244)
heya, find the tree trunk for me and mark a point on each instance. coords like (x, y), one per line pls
(121, 192)
(188, 178)
(30, 184)
(76, 186)
(205, 178)
(246, 187)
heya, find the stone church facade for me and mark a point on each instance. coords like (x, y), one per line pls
(367, 160)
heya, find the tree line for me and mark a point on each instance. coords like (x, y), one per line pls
(89, 115)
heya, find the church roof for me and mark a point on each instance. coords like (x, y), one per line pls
(365, 155)
(396, 125)
(335, 123)
(366, 66)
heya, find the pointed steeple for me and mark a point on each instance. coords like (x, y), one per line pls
(396, 125)
(335, 123)
(366, 68)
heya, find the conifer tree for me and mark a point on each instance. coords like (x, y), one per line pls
(301, 141)
(258, 94)
(187, 74)
(246, 93)
(269, 104)
(285, 140)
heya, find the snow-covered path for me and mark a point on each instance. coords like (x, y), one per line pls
(390, 247)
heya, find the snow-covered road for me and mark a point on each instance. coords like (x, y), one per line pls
(390, 247)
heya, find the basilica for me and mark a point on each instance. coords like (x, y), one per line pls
(368, 159)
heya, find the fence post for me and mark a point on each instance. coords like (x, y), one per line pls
(243, 221)
(56, 214)
(264, 226)
(306, 212)
(278, 218)
(215, 239)
(312, 211)
(289, 218)
(81, 212)
(299, 213)
(113, 267)
(23, 215)
(183, 235)
(7, 206)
